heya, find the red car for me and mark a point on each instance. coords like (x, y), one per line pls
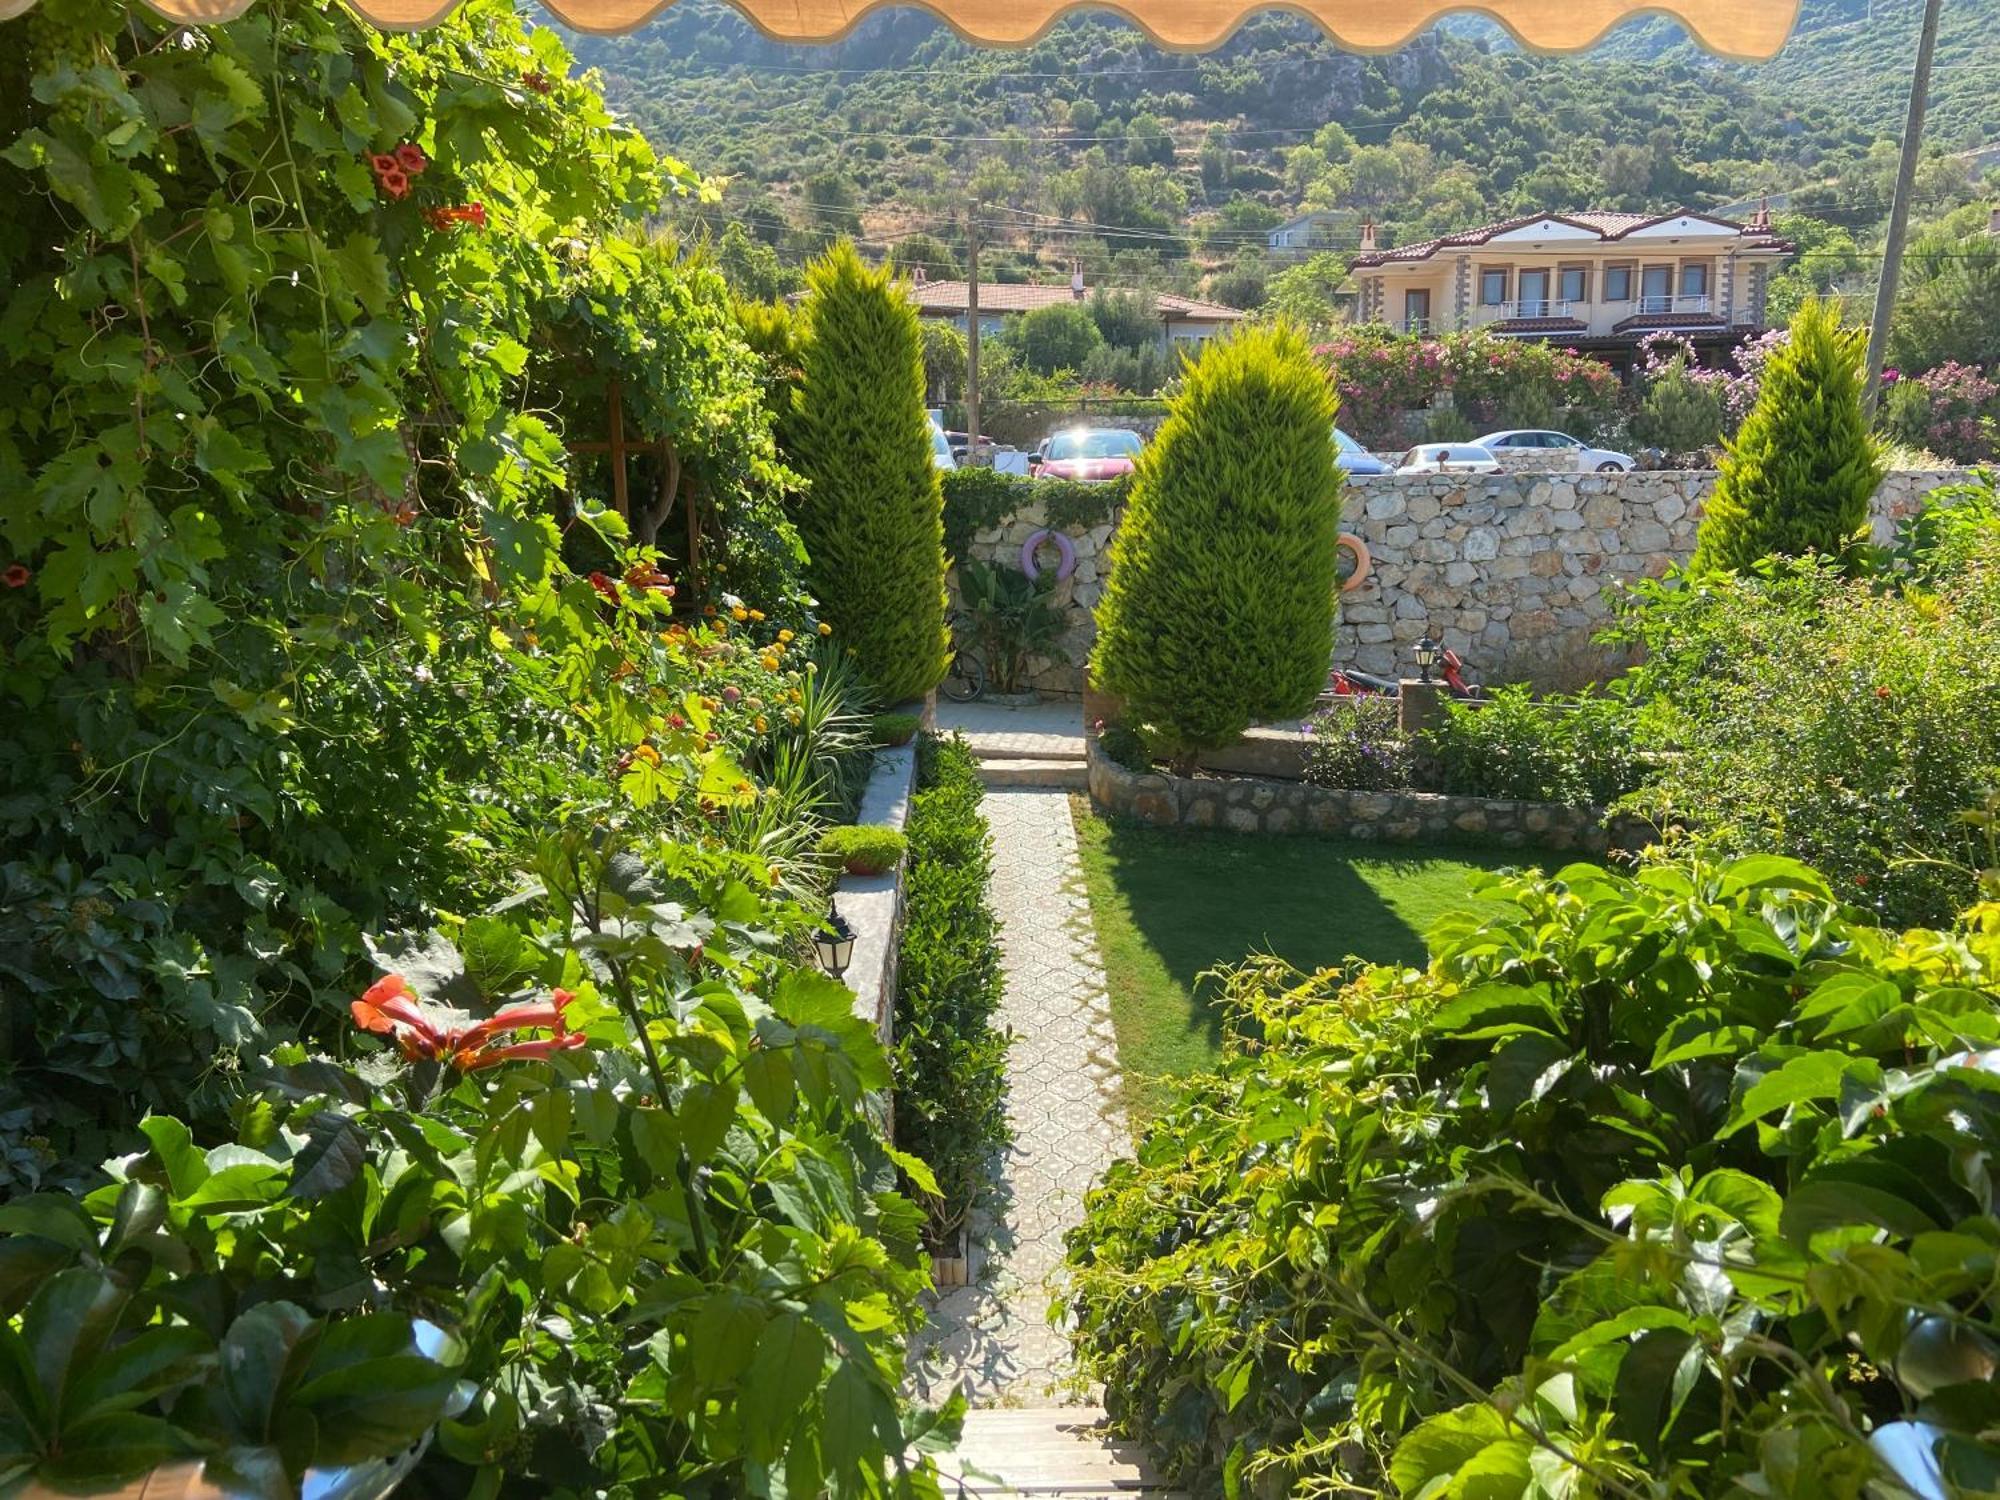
(1087, 453)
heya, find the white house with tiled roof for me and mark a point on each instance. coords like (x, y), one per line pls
(1594, 280)
(1183, 320)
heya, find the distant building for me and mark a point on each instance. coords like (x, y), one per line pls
(1183, 320)
(1321, 229)
(1597, 281)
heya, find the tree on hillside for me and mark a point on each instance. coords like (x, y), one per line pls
(830, 208)
(1219, 609)
(926, 253)
(1309, 294)
(1799, 473)
(752, 268)
(872, 518)
(1828, 264)
(1057, 337)
(1125, 319)
(1949, 305)
(1147, 143)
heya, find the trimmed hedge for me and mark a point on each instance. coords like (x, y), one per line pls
(977, 500)
(894, 729)
(872, 519)
(862, 848)
(950, 1060)
(1219, 609)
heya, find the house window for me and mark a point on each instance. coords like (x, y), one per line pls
(1656, 289)
(1694, 279)
(1617, 283)
(1574, 283)
(1492, 286)
(1534, 295)
(1417, 311)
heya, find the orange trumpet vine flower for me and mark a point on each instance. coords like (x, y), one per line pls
(387, 1008)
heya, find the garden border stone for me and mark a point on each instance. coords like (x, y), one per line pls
(873, 904)
(1250, 804)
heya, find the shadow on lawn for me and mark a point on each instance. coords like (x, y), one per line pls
(1200, 899)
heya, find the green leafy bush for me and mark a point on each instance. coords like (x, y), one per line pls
(1011, 619)
(1830, 719)
(977, 500)
(1126, 746)
(1358, 744)
(599, 1126)
(861, 848)
(1678, 414)
(950, 1058)
(895, 729)
(1643, 1186)
(1219, 609)
(1558, 749)
(1798, 475)
(871, 517)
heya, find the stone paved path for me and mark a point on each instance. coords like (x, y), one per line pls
(1062, 1075)
(991, 729)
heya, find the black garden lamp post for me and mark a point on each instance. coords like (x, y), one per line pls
(1428, 653)
(834, 942)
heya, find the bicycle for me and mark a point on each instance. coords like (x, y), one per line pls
(964, 673)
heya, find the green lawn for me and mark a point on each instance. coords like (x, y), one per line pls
(1169, 905)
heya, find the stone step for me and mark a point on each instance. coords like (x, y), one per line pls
(1016, 771)
(1047, 1452)
(1049, 748)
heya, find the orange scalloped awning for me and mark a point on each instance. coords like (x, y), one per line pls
(1751, 30)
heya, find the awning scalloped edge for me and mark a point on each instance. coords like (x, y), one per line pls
(1746, 30)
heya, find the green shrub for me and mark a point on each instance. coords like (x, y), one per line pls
(1125, 746)
(1358, 745)
(1800, 472)
(895, 729)
(977, 499)
(1658, 1175)
(871, 518)
(862, 848)
(1447, 424)
(1678, 414)
(1576, 750)
(1011, 619)
(1218, 613)
(950, 1059)
(1829, 719)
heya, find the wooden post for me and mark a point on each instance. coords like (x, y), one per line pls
(972, 335)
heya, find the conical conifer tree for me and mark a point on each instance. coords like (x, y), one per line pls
(1798, 476)
(1219, 609)
(873, 517)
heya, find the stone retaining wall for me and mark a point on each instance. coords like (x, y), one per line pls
(1251, 805)
(1508, 570)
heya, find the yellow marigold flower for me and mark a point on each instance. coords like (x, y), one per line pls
(756, 614)
(648, 754)
(824, 628)
(769, 663)
(785, 636)
(739, 613)
(762, 724)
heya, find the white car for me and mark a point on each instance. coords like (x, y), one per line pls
(1448, 458)
(1536, 439)
(941, 455)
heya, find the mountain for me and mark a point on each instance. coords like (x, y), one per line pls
(1095, 144)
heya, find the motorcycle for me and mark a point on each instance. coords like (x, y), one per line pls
(1347, 682)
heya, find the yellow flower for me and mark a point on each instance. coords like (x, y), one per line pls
(762, 724)
(824, 628)
(648, 754)
(785, 636)
(756, 614)
(769, 663)
(739, 613)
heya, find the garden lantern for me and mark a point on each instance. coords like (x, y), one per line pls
(1428, 652)
(834, 942)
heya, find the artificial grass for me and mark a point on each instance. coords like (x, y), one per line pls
(1170, 904)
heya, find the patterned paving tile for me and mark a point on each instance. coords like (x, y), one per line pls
(994, 1335)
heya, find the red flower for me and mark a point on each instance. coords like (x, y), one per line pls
(16, 576)
(1881, 692)
(411, 158)
(604, 586)
(383, 163)
(395, 184)
(538, 81)
(646, 576)
(389, 1009)
(446, 218)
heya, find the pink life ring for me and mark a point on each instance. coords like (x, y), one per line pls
(1064, 546)
(1359, 549)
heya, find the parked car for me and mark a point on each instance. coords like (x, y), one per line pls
(1354, 458)
(1588, 459)
(941, 454)
(1448, 458)
(1087, 453)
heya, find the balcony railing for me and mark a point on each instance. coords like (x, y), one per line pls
(1532, 307)
(1660, 303)
(1416, 325)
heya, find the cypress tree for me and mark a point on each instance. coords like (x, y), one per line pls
(872, 518)
(1799, 474)
(1219, 609)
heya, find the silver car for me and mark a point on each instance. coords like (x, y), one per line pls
(1538, 440)
(1448, 458)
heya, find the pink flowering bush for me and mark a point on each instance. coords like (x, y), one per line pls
(1493, 381)
(1952, 411)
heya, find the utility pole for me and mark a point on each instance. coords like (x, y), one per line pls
(1899, 210)
(972, 334)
